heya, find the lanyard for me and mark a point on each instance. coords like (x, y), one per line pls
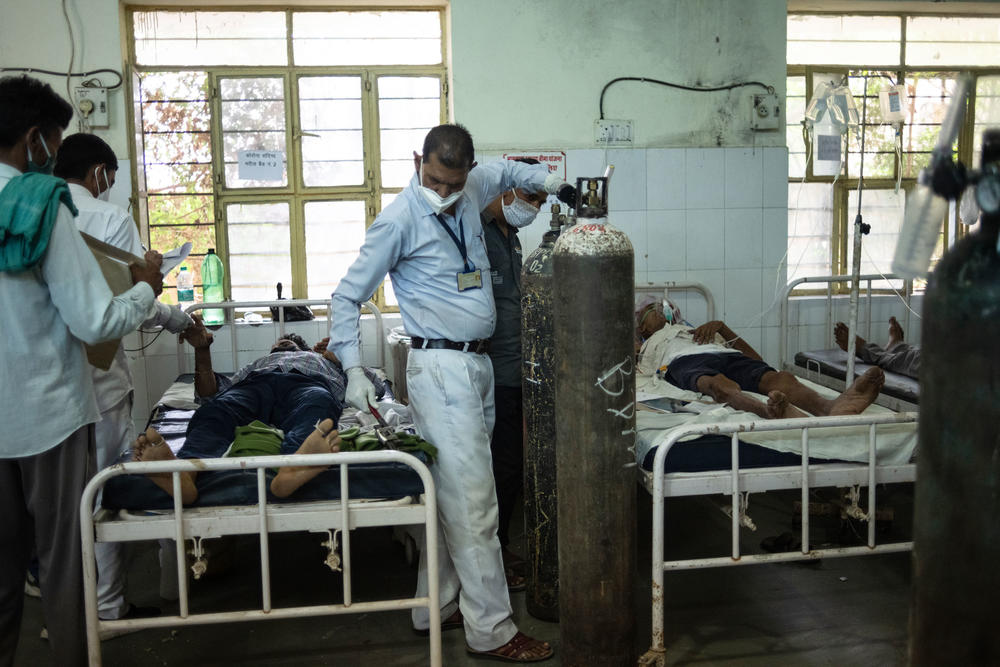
(459, 243)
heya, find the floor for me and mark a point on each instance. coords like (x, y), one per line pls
(845, 611)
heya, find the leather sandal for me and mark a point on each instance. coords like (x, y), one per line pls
(515, 650)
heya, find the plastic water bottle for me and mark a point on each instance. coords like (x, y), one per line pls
(211, 278)
(185, 288)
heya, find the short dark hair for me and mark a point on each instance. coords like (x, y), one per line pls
(26, 102)
(80, 152)
(527, 160)
(452, 144)
(297, 339)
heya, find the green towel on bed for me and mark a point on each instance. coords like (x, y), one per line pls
(255, 439)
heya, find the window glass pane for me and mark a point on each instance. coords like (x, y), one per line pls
(387, 292)
(928, 95)
(335, 231)
(330, 108)
(987, 112)
(253, 118)
(945, 41)
(883, 210)
(259, 249)
(175, 147)
(795, 108)
(810, 226)
(174, 220)
(210, 38)
(835, 40)
(367, 38)
(408, 108)
(880, 140)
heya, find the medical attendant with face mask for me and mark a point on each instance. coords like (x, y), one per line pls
(509, 212)
(430, 242)
(54, 299)
(89, 166)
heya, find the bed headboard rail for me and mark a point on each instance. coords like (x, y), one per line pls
(682, 286)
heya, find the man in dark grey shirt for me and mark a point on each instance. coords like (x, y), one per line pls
(501, 219)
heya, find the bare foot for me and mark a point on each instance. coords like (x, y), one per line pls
(895, 332)
(150, 446)
(323, 440)
(859, 395)
(778, 407)
(840, 334)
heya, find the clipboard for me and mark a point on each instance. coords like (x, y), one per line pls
(114, 263)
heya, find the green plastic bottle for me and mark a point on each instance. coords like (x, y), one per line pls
(212, 279)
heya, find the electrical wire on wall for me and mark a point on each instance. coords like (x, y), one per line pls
(679, 86)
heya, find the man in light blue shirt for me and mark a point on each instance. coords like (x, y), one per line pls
(430, 241)
(55, 299)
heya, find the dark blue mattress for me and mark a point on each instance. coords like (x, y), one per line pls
(714, 452)
(239, 487)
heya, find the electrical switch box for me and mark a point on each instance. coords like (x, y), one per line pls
(765, 112)
(92, 105)
(613, 132)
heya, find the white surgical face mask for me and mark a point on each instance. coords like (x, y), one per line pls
(518, 213)
(104, 194)
(436, 201)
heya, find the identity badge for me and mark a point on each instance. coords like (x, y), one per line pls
(470, 280)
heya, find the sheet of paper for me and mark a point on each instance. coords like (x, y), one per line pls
(172, 258)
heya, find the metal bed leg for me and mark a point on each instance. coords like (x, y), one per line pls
(345, 514)
(265, 553)
(656, 655)
(804, 537)
(182, 582)
(90, 576)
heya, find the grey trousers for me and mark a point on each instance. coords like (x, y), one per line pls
(40, 505)
(901, 358)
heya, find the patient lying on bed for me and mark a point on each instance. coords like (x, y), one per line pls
(298, 391)
(713, 360)
(897, 356)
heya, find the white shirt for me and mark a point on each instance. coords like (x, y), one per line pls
(112, 224)
(676, 340)
(409, 243)
(46, 391)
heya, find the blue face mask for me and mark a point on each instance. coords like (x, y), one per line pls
(47, 166)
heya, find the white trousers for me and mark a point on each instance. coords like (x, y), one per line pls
(114, 434)
(451, 394)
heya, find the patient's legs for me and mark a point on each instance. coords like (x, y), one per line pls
(724, 390)
(323, 440)
(150, 446)
(858, 396)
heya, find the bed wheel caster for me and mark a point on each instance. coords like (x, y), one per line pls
(332, 559)
(200, 565)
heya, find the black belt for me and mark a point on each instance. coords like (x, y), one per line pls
(481, 346)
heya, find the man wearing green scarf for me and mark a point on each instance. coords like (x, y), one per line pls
(54, 299)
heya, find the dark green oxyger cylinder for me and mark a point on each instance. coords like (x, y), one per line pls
(538, 391)
(593, 270)
(956, 526)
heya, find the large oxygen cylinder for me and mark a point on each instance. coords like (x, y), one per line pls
(956, 525)
(593, 269)
(538, 385)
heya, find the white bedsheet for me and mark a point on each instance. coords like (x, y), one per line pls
(895, 443)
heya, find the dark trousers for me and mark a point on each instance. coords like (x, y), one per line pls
(290, 401)
(507, 446)
(40, 503)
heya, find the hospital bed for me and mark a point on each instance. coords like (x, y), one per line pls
(360, 489)
(826, 364)
(715, 450)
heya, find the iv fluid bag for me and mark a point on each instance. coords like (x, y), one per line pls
(917, 239)
(890, 101)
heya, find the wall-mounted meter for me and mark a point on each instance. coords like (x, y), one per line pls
(92, 105)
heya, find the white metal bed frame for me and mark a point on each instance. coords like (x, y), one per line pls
(334, 517)
(812, 372)
(690, 286)
(740, 483)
